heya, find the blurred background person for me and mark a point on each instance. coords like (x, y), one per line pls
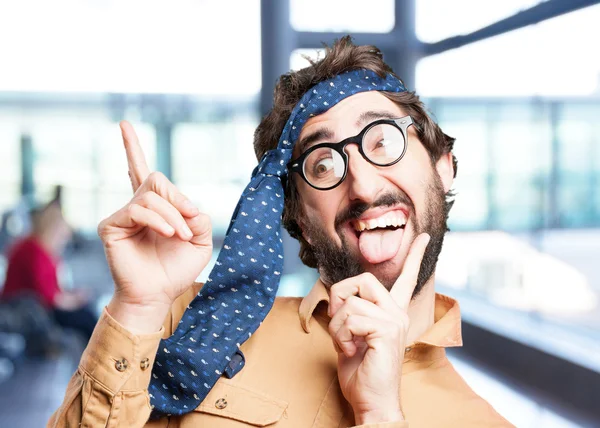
(33, 271)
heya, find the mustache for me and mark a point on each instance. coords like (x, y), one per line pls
(357, 209)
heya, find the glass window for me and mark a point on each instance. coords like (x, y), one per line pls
(152, 46)
(439, 19)
(533, 61)
(112, 185)
(213, 163)
(342, 16)
(505, 183)
(86, 156)
(579, 166)
(520, 149)
(10, 173)
(467, 124)
(504, 158)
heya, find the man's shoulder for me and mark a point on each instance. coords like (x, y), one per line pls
(445, 389)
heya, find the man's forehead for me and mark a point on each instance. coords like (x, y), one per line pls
(348, 116)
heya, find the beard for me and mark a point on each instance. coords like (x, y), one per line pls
(336, 263)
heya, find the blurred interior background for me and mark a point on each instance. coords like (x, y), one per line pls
(517, 82)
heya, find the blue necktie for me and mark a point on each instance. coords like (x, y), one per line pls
(241, 288)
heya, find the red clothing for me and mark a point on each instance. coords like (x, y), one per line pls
(31, 270)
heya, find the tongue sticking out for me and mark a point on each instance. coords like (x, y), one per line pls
(380, 245)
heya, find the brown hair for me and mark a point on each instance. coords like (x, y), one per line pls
(341, 57)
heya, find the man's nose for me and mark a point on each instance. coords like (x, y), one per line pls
(363, 177)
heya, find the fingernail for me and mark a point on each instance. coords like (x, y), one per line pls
(187, 232)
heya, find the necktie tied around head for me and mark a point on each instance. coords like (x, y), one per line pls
(241, 288)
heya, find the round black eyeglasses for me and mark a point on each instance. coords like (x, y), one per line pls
(382, 143)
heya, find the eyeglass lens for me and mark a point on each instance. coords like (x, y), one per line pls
(382, 145)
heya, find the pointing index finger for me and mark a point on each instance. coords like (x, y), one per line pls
(138, 168)
(404, 287)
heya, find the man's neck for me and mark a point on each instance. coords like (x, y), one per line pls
(421, 312)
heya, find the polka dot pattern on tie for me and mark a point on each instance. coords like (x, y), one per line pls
(241, 288)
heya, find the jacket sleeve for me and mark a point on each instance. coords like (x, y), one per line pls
(110, 387)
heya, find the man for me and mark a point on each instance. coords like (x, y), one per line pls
(366, 346)
(33, 271)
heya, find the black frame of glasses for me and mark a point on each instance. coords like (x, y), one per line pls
(402, 124)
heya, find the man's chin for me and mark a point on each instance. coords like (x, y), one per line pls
(386, 272)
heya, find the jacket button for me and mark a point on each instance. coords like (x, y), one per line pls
(221, 403)
(145, 363)
(121, 365)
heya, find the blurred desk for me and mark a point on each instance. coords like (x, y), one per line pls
(557, 361)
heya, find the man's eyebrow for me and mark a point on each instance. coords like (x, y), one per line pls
(327, 133)
(313, 137)
(370, 116)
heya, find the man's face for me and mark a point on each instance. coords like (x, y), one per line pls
(410, 192)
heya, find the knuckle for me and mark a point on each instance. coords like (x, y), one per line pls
(208, 222)
(352, 302)
(331, 329)
(335, 288)
(158, 181)
(163, 186)
(130, 210)
(101, 230)
(368, 277)
(352, 322)
(148, 197)
(156, 177)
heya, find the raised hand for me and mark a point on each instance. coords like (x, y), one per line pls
(156, 245)
(369, 326)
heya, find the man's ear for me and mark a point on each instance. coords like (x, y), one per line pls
(445, 169)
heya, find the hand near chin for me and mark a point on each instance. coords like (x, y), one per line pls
(369, 326)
